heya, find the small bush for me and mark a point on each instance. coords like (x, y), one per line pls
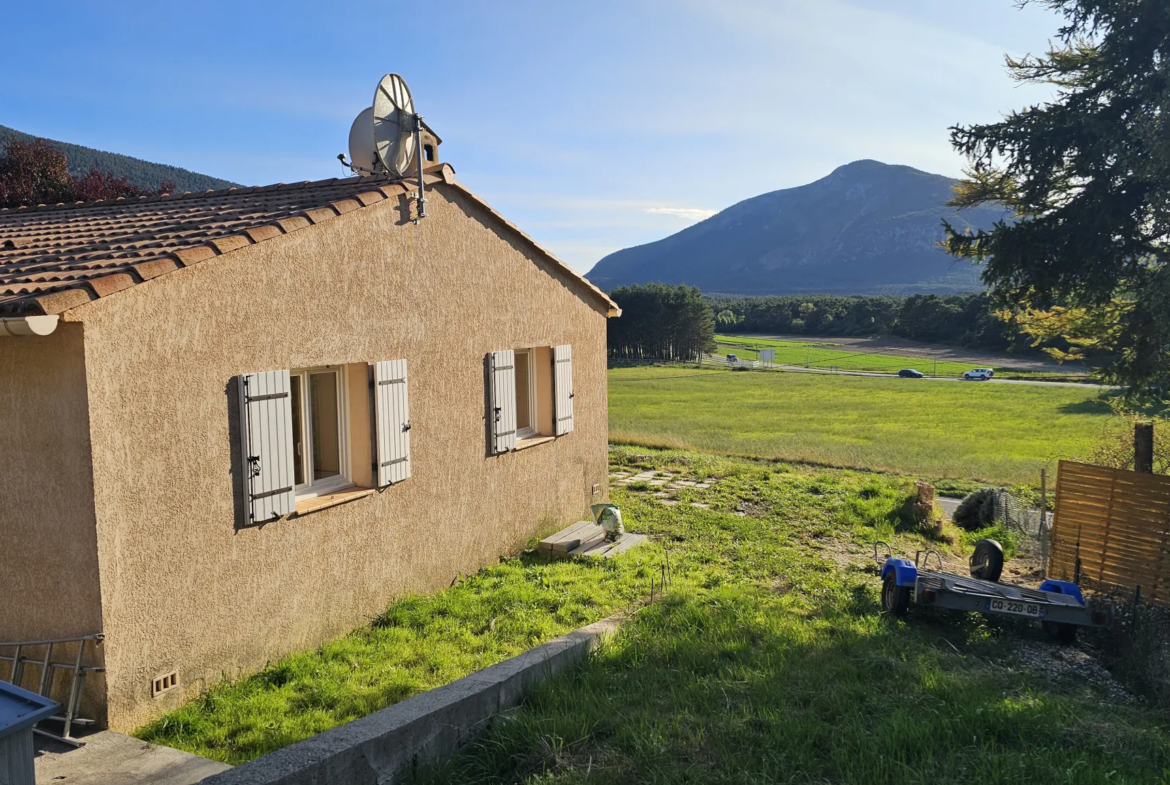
(977, 511)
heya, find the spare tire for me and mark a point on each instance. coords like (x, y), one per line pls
(987, 561)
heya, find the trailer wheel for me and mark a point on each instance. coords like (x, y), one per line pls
(895, 598)
(987, 561)
(1061, 633)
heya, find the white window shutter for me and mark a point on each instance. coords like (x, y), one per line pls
(502, 401)
(391, 422)
(266, 428)
(563, 389)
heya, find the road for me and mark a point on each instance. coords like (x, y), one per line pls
(719, 361)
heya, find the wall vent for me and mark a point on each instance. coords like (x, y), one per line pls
(161, 684)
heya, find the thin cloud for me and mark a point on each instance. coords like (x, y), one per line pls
(692, 214)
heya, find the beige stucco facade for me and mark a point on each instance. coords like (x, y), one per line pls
(119, 463)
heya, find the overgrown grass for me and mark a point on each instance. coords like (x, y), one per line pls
(417, 644)
(739, 684)
(768, 661)
(758, 513)
(992, 433)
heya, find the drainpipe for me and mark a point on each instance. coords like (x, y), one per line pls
(25, 326)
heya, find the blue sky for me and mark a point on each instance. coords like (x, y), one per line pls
(593, 125)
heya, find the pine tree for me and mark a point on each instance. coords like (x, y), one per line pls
(1086, 178)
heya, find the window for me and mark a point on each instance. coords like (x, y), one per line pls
(529, 397)
(429, 152)
(320, 449)
(308, 437)
(526, 425)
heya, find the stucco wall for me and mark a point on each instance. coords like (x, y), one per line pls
(48, 554)
(182, 586)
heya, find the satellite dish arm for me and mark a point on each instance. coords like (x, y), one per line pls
(354, 167)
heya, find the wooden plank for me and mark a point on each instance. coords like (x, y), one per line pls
(568, 532)
(607, 550)
(567, 539)
(563, 535)
(587, 543)
(626, 542)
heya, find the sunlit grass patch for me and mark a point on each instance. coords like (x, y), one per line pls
(962, 431)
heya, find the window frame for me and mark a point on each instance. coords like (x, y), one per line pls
(344, 478)
(532, 431)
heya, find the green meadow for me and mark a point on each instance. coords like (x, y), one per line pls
(970, 431)
(828, 355)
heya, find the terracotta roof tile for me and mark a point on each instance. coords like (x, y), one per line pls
(57, 257)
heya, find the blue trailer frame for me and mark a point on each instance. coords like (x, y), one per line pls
(1052, 603)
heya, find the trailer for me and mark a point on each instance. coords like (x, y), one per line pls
(1059, 606)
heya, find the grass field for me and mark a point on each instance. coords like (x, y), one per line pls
(824, 356)
(992, 433)
(768, 661)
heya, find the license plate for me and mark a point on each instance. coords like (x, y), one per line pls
(1014, 607)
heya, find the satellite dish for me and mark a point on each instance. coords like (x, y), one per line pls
(394, 122)
(361, 143)
(385, 137)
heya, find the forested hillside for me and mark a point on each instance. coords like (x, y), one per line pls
(148, 176)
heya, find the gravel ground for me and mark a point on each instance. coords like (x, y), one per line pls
(1075, 665)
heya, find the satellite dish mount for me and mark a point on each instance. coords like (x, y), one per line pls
(386, 136)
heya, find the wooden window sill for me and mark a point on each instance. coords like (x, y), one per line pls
(331, 500)
(532, 441)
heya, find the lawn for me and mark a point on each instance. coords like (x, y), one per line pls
(768, 661)
(972, 431)
(823, 356)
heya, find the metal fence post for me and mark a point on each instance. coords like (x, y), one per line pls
(1044, 530)
(1143, 447)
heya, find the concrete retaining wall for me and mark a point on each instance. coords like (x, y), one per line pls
(385, 747)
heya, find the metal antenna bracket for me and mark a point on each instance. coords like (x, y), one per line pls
(418, 154)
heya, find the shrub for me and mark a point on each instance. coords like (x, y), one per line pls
(977, 511)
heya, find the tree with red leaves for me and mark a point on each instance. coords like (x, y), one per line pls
(35, 172)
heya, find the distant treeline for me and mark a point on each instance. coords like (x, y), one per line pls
(964, 319)
(661, 322)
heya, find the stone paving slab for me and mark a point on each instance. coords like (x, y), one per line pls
(110, 758)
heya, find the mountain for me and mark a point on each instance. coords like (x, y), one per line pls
(867, 228)
(142, 173)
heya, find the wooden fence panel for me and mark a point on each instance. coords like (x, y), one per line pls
(1116, 523)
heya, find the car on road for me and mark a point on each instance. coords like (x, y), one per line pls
(731, 358)
(910, 373)
(978, 374)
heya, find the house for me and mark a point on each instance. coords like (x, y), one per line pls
(238, 423)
